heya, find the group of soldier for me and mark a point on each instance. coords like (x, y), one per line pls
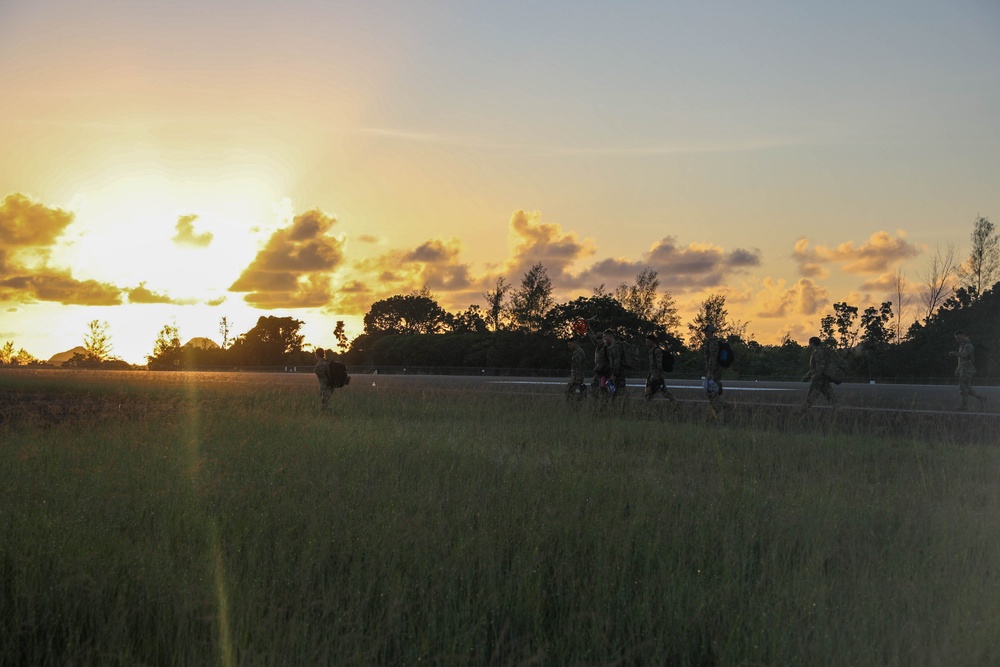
(609, 371)
(825, 369)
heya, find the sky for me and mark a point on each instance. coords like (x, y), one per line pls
(176, 163)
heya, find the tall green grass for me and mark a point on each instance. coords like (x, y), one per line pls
(240, 526)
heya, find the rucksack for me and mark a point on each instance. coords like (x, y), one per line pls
(726, 354)
(630, 355)
(981, 357)
(338, 375)
(668, 361)
(838, 372)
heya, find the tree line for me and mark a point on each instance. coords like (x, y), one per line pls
(521, 326)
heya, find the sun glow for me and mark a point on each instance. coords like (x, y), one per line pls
(126, 231)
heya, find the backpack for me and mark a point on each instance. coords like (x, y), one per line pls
(338, 375)
(981, 357)
(668, 361)
(630, 355)
(726, 354)
(838, 373)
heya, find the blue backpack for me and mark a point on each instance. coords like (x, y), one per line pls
(726, 354)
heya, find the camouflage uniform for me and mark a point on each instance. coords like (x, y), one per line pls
(820, 361)
(654, 380)
(966, 369)
(576, 369)
(713, 374)
(322, 371)
(609, 363)
(599, 361)
(616, 355)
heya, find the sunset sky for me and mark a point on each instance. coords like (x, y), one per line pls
(179, 162)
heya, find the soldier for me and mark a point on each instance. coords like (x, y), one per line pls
(654, 379)
(821, 364)
(615, 362)
(713, 371)
(322, 371)
(599, 360)
(576, 387)
(966, 369)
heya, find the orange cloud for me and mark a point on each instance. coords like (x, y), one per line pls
(880, 252)
(545, 242)
(294, 267)
(692, 267)
(142, 294)
(885, 282)
(186, 234)
(28, 229)
(433, 264)
(775, 300)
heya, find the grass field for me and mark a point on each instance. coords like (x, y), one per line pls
(224, 522)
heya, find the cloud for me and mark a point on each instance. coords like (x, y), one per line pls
(141, 294)
(28, 230)
(545, 242)
(877, 255)
(59, 287)
(885, 282)
(355, 287)
(293, 268)
(216, 302)
(26, 223)
(368, 238)
(775, 300)
(692, 267)
(434, 264)
(186, 235)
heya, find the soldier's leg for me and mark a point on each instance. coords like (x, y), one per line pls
(827, 390)
(964, 389)
(666, 392)
(620, 384)
(811, 395)
(721, 402)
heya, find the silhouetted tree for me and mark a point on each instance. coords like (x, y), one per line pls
(982, 268)
(642, 299)
(341, 336)
(270, 343)
(937, 280)
(496, 309)
(875, 335)
(97, 341)
(166, 349)
(841, 326)
(469, 321)
(902, 304)
(530, 302)
(224, 332)
(713, 311)
(411, 314)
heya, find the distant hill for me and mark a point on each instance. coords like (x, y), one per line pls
(60, 358)
(200, 343)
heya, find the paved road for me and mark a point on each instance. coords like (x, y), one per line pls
(879, 397)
